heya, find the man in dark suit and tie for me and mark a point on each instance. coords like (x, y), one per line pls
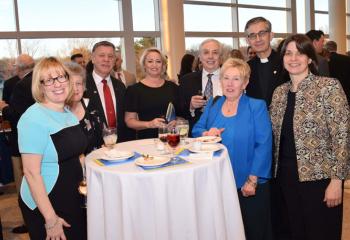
(106, 94)
(266, 66)
(339, 67)
(317, 39)
(197, 87)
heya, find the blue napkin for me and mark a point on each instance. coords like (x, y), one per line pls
(187, 152)
(108, 163)
(179, 160)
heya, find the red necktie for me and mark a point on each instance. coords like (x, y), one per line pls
(111, 116)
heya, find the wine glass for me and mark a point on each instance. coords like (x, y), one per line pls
(162, 136)
(200, 93)
(109, 136)
(173, 139)
(82, 188)
(184, 127)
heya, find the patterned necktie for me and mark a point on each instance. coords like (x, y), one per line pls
(111, 116)
(208, 92)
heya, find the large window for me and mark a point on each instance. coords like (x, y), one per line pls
(226, 20)
(7, 18)
(60, 28)
(67, 15)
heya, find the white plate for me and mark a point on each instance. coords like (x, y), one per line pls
(206, 148)
(115, 155)
(152, 161)
(209, 139)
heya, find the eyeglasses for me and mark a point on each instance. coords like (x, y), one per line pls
(254, 36)
(51, 81)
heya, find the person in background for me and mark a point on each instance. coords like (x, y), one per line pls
(339, 67)
(21, 99)
(266, 65)
(119, 73)
(147, 101)
(197, 87)
(49, 197)
(90, 122)
(79, 59)
(317, 39)
(250, 53)
(236, 53)
(186, 65)
(105, 93)
(311, 125)
(245, 128)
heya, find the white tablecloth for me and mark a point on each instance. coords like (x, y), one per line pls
(189, 201)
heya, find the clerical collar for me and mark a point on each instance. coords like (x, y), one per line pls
(264, 60)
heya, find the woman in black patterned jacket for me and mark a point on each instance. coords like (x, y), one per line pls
(310, 118)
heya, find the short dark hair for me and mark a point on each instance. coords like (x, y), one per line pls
(304, 46)
(315, 34)
(77, 55)
(331, 46)
(103, 43)
(257, 20)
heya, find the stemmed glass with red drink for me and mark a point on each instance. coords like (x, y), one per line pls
(173, 139)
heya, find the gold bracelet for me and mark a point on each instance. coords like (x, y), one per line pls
(252, 183)
(48, 227)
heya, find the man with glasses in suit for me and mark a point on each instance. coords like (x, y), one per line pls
(266, 66)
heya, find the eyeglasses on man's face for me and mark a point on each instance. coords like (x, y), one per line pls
(51, 81)
(254, 36)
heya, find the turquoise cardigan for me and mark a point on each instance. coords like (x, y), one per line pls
(247, 136)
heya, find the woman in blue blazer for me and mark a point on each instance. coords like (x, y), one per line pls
(245, 128)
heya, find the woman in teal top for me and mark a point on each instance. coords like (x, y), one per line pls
(245, 128)
(47, 137)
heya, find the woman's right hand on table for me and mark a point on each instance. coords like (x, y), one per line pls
(214, 132)
(54, 229)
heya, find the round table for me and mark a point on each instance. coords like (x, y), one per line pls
(195, 200)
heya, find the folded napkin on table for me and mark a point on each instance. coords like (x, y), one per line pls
(188, 153)
(178, 161)
(103, 162)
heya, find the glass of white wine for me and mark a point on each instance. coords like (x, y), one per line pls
(109, 136)
(184, 127)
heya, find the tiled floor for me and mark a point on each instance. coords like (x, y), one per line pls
(10, 215)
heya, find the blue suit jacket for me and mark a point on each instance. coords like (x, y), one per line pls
(247, 136)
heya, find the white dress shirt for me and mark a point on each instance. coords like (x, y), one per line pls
(217, 89)
(99, 85)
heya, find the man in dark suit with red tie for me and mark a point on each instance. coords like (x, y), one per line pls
(197, 87)
(106, 94)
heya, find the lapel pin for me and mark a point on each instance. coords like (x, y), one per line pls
(274, 72)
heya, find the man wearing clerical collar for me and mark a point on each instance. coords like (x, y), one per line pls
(266, 65)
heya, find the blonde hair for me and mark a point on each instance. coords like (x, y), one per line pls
(50, 64)
(237, 63)
(162, 56)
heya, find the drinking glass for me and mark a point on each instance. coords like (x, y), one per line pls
(109, 136)
(82, 188)
(162, 136)
(173, 139)
(184, 127)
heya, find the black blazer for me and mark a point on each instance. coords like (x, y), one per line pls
(95, 103)
(9, 85)
(254, 88)
(21, 99)
(189, 85)
(339, 68)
